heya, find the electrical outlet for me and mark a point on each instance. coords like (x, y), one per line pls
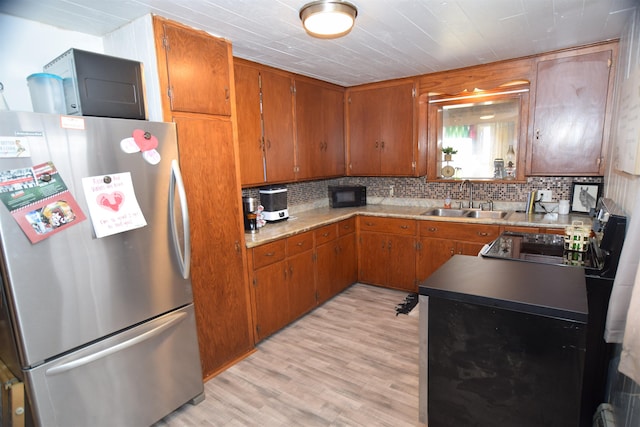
(545, 195)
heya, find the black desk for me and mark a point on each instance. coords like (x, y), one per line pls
(502, 343)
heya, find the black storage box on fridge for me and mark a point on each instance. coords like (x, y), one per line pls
(100, 85)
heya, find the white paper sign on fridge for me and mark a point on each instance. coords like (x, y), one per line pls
(113, 206)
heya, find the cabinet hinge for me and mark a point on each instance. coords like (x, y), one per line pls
(170, 93)
(258, 329)
(165, 42)
(349, 100)
(609, 63)
(413, 165)
(413, 92)
(293, 89)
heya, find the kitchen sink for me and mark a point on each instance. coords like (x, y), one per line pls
(465, 213)
(486, 214)
(446, 212)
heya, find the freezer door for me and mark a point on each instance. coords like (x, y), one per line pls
(73, 288)
(131, 379)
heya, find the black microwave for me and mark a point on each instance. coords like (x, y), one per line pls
(343, 196)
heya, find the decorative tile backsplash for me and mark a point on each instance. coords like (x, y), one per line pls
(301, 193)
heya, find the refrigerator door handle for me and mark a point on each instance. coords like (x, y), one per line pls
(184, 254)
(65, 367)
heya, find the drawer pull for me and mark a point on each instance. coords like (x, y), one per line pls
(432, 229)
(325, 234)
(270, 254)
(300, 243)
(369, 224)
(483, 233)
(404, 227)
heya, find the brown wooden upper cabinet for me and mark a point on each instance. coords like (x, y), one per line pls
(319, 130)
(199, 64)
(573, 95)
(264, 99)
(381, 134)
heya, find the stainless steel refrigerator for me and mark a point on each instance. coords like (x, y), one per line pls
(97, 307)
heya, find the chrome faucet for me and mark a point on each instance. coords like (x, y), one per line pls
(466, 181)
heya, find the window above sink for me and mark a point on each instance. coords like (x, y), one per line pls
(485, 129)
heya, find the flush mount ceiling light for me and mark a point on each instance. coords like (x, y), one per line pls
(328, 19)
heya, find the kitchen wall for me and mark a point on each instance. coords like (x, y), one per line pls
(26, 47)
(624, 188)
(314, 193)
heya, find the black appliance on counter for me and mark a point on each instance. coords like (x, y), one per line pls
(344, 196)
(600, 263)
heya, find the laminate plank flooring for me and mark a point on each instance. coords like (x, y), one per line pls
(350, 362)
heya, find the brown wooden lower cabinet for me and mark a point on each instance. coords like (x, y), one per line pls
(291, 276)
(387, 252)
(336, 259)
(439, 241)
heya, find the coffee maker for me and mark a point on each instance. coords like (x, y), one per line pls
(250, 214)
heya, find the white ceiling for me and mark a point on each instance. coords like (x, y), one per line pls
(391, 38)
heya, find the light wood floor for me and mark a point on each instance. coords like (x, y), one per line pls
(350, 362)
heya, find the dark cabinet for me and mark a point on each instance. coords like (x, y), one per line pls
(503, 343)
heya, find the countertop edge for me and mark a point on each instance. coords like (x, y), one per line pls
(308, 220)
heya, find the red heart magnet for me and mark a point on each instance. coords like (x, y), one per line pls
(144, 140)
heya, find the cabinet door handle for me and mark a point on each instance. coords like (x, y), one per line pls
(227, 94)
(383, 244)
(538, 134)
(268, 144)
(382, 145)
(389, 245)
(376, 145)
(452, 252)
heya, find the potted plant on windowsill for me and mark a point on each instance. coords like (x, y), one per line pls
(448, 152)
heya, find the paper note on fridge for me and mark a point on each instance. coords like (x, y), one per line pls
(39, 200)
(113, 206)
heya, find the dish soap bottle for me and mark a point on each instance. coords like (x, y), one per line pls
(447, 203)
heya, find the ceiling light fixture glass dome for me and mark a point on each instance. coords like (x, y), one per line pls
(327, 18)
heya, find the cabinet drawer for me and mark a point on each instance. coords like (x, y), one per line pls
(299, 243)
(388, 225)
(481, 233)
(347, 226)
(268, 253)
(325, 234)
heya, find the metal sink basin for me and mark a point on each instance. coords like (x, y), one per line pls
(465, 213)
(486, 214)
(446, 212)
